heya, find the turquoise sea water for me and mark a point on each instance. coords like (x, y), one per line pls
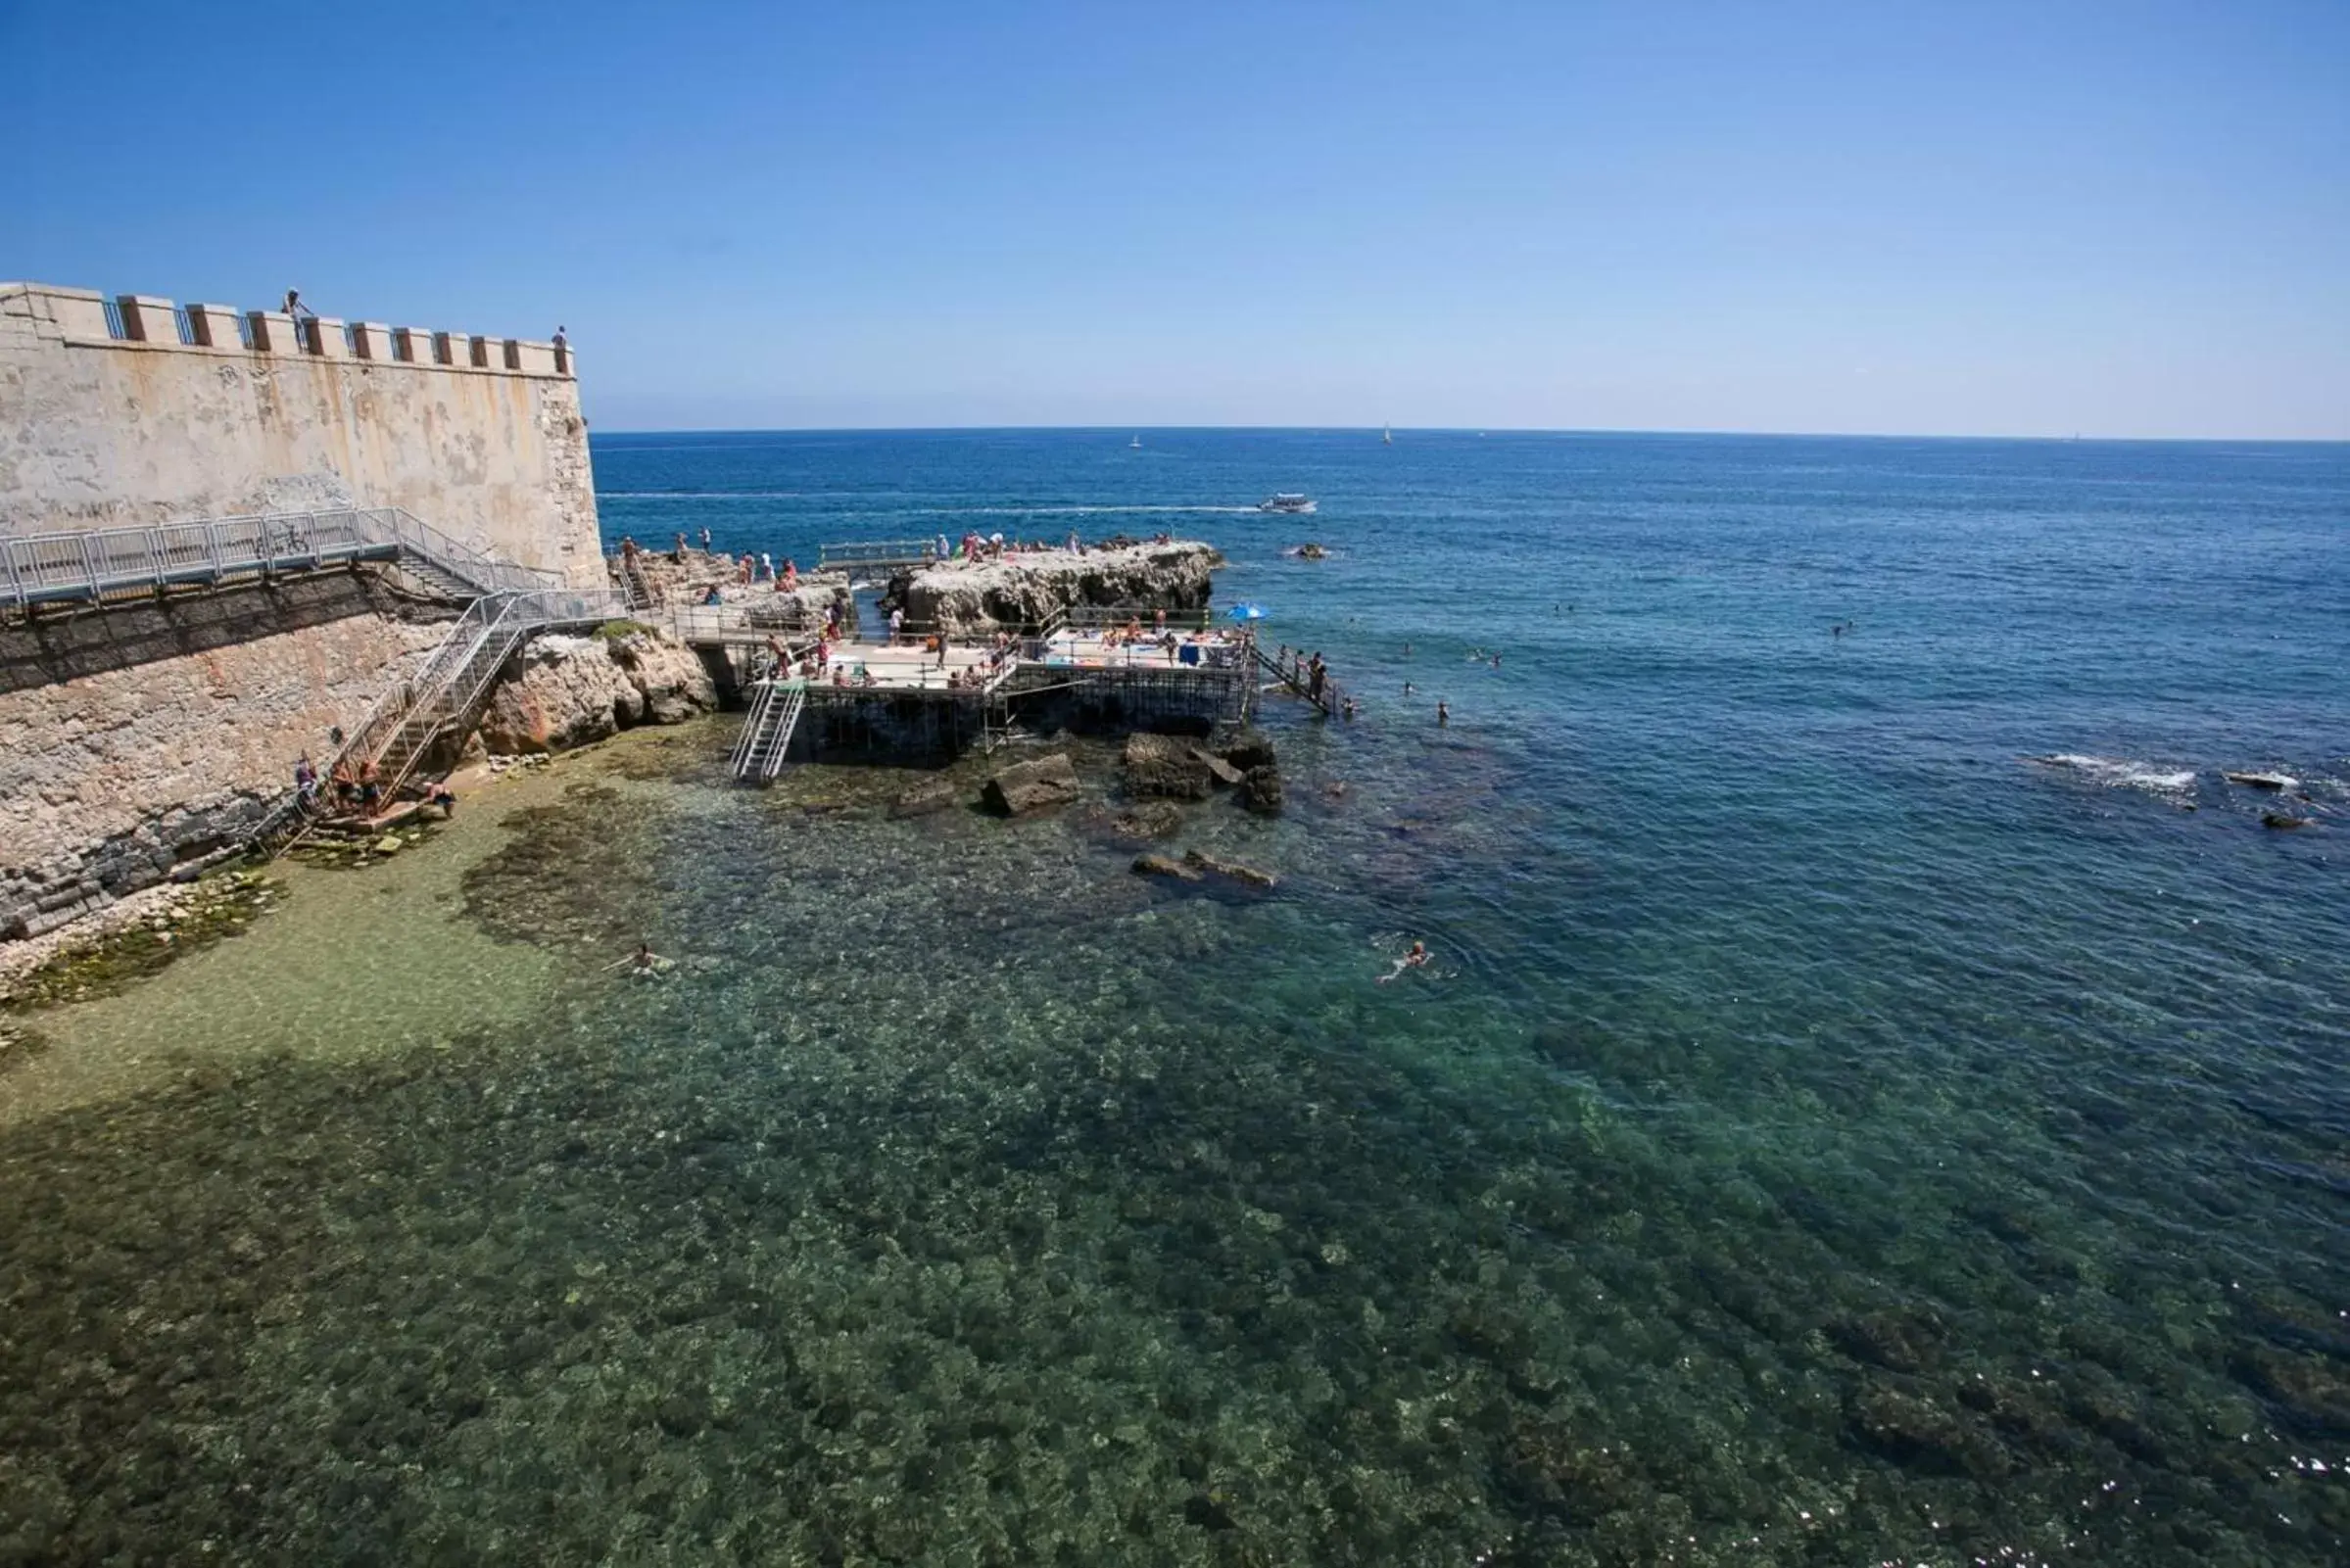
(1824, 1136)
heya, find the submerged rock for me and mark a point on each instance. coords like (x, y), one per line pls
(1260, 791)
(1924, 1436)
(1253, 748)
(1165, 865)
(2283, 821)
(1156, 766)
(1221, 771)
(923, 800)
(1027, 787)
(1898, 1339)
(1226, 868)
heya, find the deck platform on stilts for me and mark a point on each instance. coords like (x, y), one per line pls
(909, 699)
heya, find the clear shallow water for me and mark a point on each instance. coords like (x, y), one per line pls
(1827, 1138)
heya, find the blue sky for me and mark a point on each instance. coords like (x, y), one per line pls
(1979, 219)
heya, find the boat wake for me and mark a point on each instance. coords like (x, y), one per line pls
(2121, 772)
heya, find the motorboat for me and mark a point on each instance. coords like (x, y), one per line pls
(1289, 503)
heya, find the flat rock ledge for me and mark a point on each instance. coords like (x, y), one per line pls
(1027, 787)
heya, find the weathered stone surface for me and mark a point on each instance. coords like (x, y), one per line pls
(1022, 590)
(1231, 868)
(1260, 791)
(926, 800)
(570, 691)
(1253, 750)
(1157, 766)
(669, 579)
(100, 432)
(1221, 771)
(1165, 865)
(112, 777)
(1027, 787)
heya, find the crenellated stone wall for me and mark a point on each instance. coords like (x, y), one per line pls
(136, 411)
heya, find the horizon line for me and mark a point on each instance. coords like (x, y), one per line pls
(1465, 430)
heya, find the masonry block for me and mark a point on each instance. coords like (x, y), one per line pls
(148, 319)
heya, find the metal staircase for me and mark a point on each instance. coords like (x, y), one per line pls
(634, 592)
(441, 701)
(767, 727)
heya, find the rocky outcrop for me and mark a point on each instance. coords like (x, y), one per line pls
(1252, 749)
(1027, 787)
(1157, 766)
(1260, 791)
(1166, 767)
(1166, 866)
(1022, 590)
(1230, 869)
(570, 691)
(666, 579)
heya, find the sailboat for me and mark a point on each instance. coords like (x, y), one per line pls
(1135, 444)
(1387, 436)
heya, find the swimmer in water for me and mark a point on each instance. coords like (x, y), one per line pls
(1444, 715)
(643, 962)
(1410, 961)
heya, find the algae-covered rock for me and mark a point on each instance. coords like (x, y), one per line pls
(1229, 869)
(1156, 766)
(1260, 791)
(1038, 785)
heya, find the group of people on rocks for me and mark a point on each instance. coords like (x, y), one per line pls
(358, 791)
(749, 568)
(975, 546)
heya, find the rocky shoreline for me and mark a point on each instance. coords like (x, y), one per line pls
(1023, 588)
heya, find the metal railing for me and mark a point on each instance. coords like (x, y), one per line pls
(1094, 617)
(94, 566)
(878, 552)
(399, 730)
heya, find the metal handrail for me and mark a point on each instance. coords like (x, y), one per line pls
(469, 659)
(1090, 616)
(868, 552)
(87, 565)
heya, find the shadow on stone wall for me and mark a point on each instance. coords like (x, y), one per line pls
(63, 647)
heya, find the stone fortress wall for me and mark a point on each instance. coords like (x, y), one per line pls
(138, 740)
(136, 411)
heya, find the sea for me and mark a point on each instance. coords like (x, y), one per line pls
(1880, 1094)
